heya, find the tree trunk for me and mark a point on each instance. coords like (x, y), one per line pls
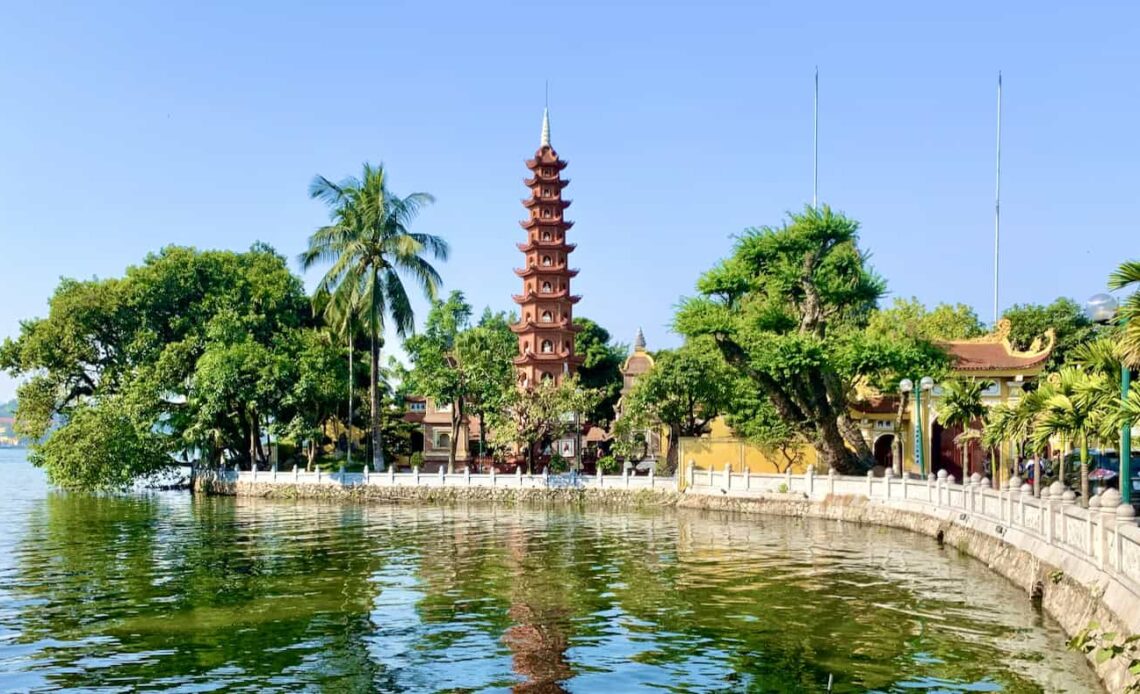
(482, 437)
(374, 400)
(456, 422)
(348, 435)
(832, 449)
(254, 440)
(674, 449)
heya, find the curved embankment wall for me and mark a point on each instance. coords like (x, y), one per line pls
(1073, 590)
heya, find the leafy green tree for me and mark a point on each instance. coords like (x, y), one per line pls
(192, 346)
(1028, 322)
(487, 351)
(909, 317)
(314, 394)
(961, 405)
(437, 370)
(788, 311)
(601, 367)
(536, 416)
(371, 249)
(1126, 276)
(102, 448)
(686, 389)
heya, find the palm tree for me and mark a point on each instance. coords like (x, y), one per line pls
(1001, 425)
(370, 250)
(961, 404)
(1127, 275)
(1073, 409)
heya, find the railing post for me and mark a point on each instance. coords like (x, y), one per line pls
(904, 483)
(809, 479)
(367, 473)
(711, 481)
(941, 483)
(692, 474)
(747, 478)
(253, 466)
(870, 480)
(546, 477)
(518, 475)
(930, 488)
(318, 474)
(1102, 517)
(274, 472)
(888, 474)
(416, 475)
(492, 474)
(1109, 501)
(598, 473)
(625, 475)
(392, 475)
(831, 481)
(788, 477)
(442, 479)
(296, 473)
(467, 476)
(651, 467)
(728, 476)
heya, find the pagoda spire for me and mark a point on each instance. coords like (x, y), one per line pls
(639, 341)
(545, 142)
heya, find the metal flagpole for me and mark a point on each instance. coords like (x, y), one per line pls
(997, 203)
(815, 144)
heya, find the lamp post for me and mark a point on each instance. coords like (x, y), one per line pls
(907, 386)
(1101, 308)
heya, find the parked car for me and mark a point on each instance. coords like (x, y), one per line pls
(1104, 471)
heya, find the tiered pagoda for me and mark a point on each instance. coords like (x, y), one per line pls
(545, 328)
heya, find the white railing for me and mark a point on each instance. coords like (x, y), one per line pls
(1105, 535)
(416, 478)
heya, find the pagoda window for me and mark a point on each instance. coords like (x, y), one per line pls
(546, 236)
(545, 214)
(547, 347)
(547, 287)
(546, 192)
(547, 317)
(547, 377)
(547, 171)
(546, 261)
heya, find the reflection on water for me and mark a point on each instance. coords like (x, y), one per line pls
(170, 592)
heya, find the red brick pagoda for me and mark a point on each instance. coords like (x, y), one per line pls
(545, 328)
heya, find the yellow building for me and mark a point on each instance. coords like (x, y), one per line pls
(991, 358)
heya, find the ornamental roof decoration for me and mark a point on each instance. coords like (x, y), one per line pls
(994, 352)
(639, 360)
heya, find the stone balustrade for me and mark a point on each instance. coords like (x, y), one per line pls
(465, 478)
(1102, 541)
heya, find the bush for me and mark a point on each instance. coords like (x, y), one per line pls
(417, 460)
(558, 464)
(608, 465)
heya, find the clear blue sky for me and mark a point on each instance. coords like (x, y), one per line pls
(134, 125)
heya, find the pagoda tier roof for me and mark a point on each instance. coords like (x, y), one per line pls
(555, 270)
(532, 201)
(547, 357)
(559, 223)
(545, 156)
(563, 295)
(546, 180)
(563, 326)
(548, 245)
(995, 353)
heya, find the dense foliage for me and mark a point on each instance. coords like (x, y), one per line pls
(789, 311)
(196, 351)
(601, 368)
(1028, 322)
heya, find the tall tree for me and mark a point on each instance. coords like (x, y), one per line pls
(782, 309)
(1028, 322)
(437, 370)
(911, 317)
(487, 352)
(193, 348)
(686, 389)
(371, 249)
(601, 368)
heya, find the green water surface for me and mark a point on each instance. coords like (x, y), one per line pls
(167, 592)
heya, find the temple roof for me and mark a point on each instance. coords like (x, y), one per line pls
(994, 352)
(639, 360)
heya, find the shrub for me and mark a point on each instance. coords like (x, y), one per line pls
(608, 465)
(558, 464)
(417, 460)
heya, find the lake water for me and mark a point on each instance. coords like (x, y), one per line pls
(168, 592)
